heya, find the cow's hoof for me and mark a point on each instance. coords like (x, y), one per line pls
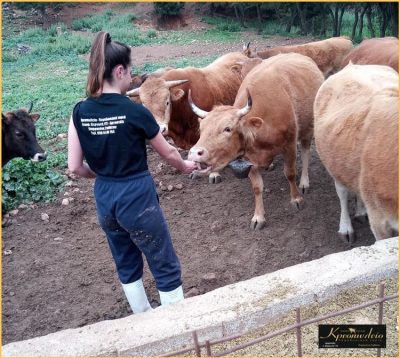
(347, 238)
(304, 189)
(214, 179)
(297, 203)
(194, 175)
(257, 224)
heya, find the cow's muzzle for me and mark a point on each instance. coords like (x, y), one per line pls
(39, 157)
(163, 129)
(200, 156)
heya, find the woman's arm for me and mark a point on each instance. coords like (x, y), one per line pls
(75, 154)
(171, 155)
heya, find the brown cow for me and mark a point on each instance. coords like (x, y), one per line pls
(327, 54)
(356, 123)
(279, 112)
(19, 136)
(376, 51)
(166, 96)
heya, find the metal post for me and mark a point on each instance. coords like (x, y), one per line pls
(380, 314)
(196, 344)
(298, 332)
(208, 348)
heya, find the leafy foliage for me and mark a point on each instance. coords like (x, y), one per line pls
(168, 8)
(25, 181)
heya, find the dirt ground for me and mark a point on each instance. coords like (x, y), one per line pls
(59, 273)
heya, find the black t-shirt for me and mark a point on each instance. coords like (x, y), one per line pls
(112, 131)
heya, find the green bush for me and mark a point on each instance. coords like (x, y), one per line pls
(67, 43)
(229, 26)
(151, 34)
(25, 181)
(52, 31)
(168, 8)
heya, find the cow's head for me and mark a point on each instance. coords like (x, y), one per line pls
(19, 136)
(223, 135)
(249, 52)
(157, 95)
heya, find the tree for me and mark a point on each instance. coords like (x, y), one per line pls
(165, 9)
(394, 19)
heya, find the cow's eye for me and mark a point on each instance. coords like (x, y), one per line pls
(167, 103)
(19, 134)
(227, 129)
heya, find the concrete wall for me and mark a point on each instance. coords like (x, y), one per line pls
(231, 309)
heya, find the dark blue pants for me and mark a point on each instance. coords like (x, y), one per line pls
(130, 215)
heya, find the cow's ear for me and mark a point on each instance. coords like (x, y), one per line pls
(255, 122)
(237, 68)
(6, 118)
(177, 94)
(34, 116)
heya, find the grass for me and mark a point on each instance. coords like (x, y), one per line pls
(177, 63)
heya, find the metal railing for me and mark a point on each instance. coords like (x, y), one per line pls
(197, 346)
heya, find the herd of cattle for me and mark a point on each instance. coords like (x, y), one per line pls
(258, 104)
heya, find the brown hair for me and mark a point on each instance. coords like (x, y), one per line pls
(104, 56)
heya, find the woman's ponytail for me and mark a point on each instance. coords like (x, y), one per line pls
(104, 56)
(97, 64)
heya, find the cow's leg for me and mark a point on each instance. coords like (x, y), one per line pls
(379, 224)
(305, 161)
(289, 168)
(361, 211)
(258, 220)
(346, 230)
(214, 178)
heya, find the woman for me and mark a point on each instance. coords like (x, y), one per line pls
(110, 131)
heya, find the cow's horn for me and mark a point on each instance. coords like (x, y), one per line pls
(246, 109)
(171, 84)
(133, 93)
(30, 107)
(248, 45)
(200, 113)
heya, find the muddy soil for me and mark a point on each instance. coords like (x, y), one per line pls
(59, 273)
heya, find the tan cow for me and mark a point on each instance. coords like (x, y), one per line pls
(327, 54)
(248, 65)
(356, 123)
(376, 51)
(272, 111)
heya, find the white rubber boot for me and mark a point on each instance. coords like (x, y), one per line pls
(136, 296)
(170, 297)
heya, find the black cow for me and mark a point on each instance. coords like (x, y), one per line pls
(19, 136)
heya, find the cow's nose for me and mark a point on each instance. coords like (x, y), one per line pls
(40, 157)
(163, 129)
(197, 153)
